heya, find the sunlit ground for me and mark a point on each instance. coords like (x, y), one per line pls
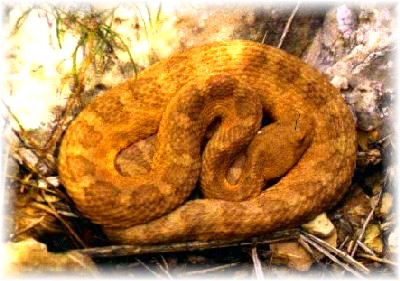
(39, 64)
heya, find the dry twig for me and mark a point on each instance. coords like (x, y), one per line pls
(343, 243)
(127, 250)
(208, 270)
(377, 259)
(339, 253)
(148, 268)
(366, 222)
(164, 267)
(29, 226)
(64, 222)
(288, 23)
(332, 257)
(257, 264)
(365, 248)
(307, 247)
(25, 182)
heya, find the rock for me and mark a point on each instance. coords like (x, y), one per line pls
(386, 204)
(30, 256)
(320, 226)
(345, 20)
(372, 238)
(291, 254)
(295, 256)
(367, 97)
(332, 239)
(354, 48)
(340, 82)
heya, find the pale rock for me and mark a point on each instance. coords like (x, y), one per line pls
(30, 256)
(366, 105)
(345, 20)
(320, 226)
(295, 256)
(340, 82)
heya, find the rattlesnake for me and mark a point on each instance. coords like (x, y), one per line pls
(306, 154)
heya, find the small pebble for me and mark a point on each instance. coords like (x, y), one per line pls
(340, 82)
(320, 226)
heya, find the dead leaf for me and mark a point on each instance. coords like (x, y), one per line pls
(373, 238)
(386, 204)
(357, 206)
(362, 140)
(54, 181)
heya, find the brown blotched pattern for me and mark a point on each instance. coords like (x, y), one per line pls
(310, 145)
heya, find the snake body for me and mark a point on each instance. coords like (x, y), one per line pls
(295, 168)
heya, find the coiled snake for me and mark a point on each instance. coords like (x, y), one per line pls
(296, 167)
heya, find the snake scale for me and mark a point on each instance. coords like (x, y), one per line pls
(294, 168)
